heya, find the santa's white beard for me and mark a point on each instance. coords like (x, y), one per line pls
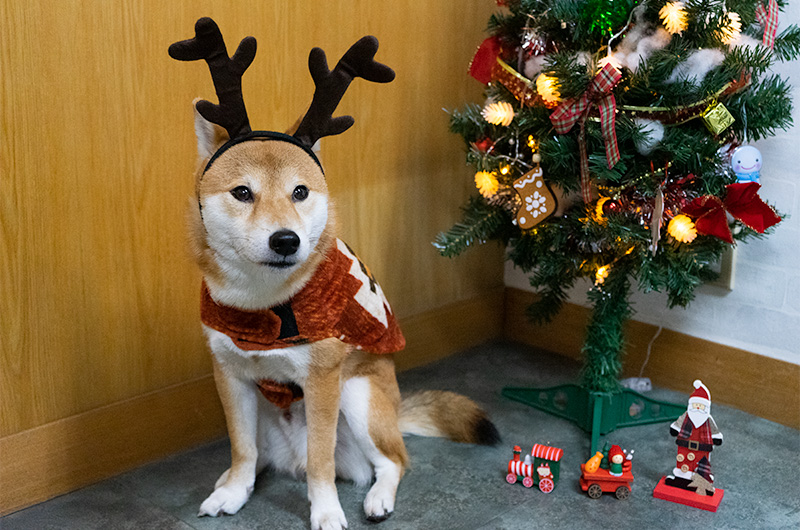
(698, 417)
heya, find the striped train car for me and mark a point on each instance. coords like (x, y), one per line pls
(541, 467)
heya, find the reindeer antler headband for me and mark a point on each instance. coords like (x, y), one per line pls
(227, 72)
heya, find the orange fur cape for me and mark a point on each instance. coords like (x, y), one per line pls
(341, 300)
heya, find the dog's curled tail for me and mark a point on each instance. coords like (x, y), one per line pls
(446, 415)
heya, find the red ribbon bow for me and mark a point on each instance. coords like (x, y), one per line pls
(741, 201)
(485, 58)
(769, 19)
(573, 111)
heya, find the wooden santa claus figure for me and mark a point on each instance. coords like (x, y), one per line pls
(696, 435)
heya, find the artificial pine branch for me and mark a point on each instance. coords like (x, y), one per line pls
(572, 75)
(755, 61)
(480, 223)
(764, 108)
(787, 44)
(549, 302)
(469, 123)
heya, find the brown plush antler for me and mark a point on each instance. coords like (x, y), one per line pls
(226, 72)
(331, 86)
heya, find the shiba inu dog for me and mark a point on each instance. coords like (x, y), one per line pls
(300, 332)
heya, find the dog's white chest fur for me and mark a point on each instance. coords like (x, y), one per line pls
(282, 432)
(283, 364)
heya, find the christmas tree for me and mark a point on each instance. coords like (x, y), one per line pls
(614, 145)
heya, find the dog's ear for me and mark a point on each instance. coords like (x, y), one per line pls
(317, 148)
(210, 136)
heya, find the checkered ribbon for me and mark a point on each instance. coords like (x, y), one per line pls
(573, 111)
(769, 19)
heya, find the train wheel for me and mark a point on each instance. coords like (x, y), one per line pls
(595, 491)
(623, 493)
(546, 485)
(527, 482)
(511, 478)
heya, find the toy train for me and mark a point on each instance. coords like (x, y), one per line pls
(542, 471)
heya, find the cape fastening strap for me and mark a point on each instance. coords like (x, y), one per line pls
(264, 136)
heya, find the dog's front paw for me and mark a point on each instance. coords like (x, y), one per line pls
(225, 499)
(379, 504)
(327, 516)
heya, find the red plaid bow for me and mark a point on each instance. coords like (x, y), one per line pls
(769, 19)
(573, 111)
(742, 202)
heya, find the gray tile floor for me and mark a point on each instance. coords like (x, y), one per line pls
(453, 486)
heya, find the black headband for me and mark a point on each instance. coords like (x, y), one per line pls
(263, 136)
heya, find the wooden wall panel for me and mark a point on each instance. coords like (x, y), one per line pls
(98, 299)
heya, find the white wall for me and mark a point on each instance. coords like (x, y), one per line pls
(762, 313)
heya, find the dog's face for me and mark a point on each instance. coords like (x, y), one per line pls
(264, 204)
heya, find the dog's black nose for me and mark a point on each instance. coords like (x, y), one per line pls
(284, 242)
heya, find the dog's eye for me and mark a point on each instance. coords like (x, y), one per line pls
(300, 193)
(242, 193)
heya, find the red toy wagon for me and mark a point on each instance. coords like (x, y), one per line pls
(599, 482)
(596, 480)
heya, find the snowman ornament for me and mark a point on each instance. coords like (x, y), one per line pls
(746, 162)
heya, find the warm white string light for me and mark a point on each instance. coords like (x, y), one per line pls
(499, 113)
(547, 87)
(731, 27)
(486, 183)
(673, 16)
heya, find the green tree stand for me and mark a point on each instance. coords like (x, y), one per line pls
(600, 405)
(598, 413)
